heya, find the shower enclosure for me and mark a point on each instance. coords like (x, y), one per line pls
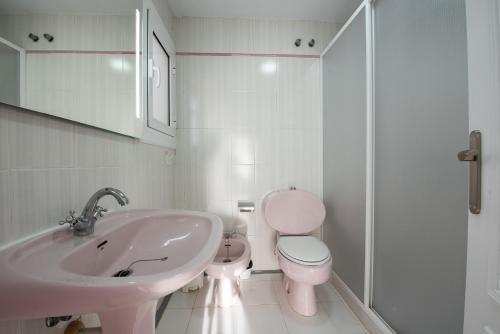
(395, 116)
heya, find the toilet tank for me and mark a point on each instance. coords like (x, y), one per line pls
(293, 211)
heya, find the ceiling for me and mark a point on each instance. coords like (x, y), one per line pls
(322, 10)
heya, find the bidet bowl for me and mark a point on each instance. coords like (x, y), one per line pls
(237, 250)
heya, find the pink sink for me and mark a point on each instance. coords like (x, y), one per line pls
(57, 273)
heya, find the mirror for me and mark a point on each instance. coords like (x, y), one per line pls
(79, 60)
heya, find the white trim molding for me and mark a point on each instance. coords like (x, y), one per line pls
(370, 148)
(371, 320)
(367, 7)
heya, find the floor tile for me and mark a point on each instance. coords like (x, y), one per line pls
(342, 317)
(237, 320)
(260, 319)
(258, 293)
(182, 300)
(280, 292)
(212, 320)
(326, 292)
(205, 297)
(174, 321)
(320, 323)
(262, 308)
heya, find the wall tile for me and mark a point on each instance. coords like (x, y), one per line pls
(5, 206)
(10, 327)
(248, 125)
(253, 249)
(243, 147)
(4, 141)
(223, 209)
(40, 198)
(243, 35)
(243, 182)
(30, 136)
(244, 221)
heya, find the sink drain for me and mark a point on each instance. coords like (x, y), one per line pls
(128, 271)
(123, 273)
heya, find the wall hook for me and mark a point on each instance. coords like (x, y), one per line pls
(311, 43)
(48, 37)
(297, 42)
(33, 37)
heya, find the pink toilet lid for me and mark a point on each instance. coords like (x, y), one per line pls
(293, 211)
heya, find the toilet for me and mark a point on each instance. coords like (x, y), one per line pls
(231, 261)
(304, 259)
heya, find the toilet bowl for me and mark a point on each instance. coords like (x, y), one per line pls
(231, 261)
(304, 259)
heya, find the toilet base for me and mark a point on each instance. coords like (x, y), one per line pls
(301, 297)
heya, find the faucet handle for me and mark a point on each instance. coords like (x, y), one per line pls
(99, 210)
(70, 219)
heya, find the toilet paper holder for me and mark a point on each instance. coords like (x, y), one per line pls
(246, 206)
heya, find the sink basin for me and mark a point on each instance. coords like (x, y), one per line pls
(132, 259)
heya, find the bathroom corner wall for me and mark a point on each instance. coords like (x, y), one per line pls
(49, 165)
(249, 117)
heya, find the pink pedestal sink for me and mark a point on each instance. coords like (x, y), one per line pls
(57, 273)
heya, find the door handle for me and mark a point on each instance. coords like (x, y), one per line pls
(468, 155)
(473, 156)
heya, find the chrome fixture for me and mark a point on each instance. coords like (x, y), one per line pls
(33, 37)
(53, 321)
(473, 156)
(297, 42)
(311, 43)
(48, 37)
(84, 224)
(246, 206)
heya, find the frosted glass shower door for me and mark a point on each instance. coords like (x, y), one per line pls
(420, 189)
(344, 152)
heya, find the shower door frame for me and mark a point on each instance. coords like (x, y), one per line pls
(367, 7)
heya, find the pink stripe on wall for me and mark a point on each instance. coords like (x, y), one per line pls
(99, 52)
(230, 54)
(205, 54)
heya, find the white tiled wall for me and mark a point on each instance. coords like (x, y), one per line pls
(247, 125)
(49, 165)
(197, 34)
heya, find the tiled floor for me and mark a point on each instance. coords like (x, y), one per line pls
(262, 309)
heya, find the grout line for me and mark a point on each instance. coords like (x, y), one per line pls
(189, 320)
(283, 318)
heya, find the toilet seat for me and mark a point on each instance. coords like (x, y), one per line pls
(303, 249)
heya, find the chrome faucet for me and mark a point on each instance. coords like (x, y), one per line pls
(84, 224)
